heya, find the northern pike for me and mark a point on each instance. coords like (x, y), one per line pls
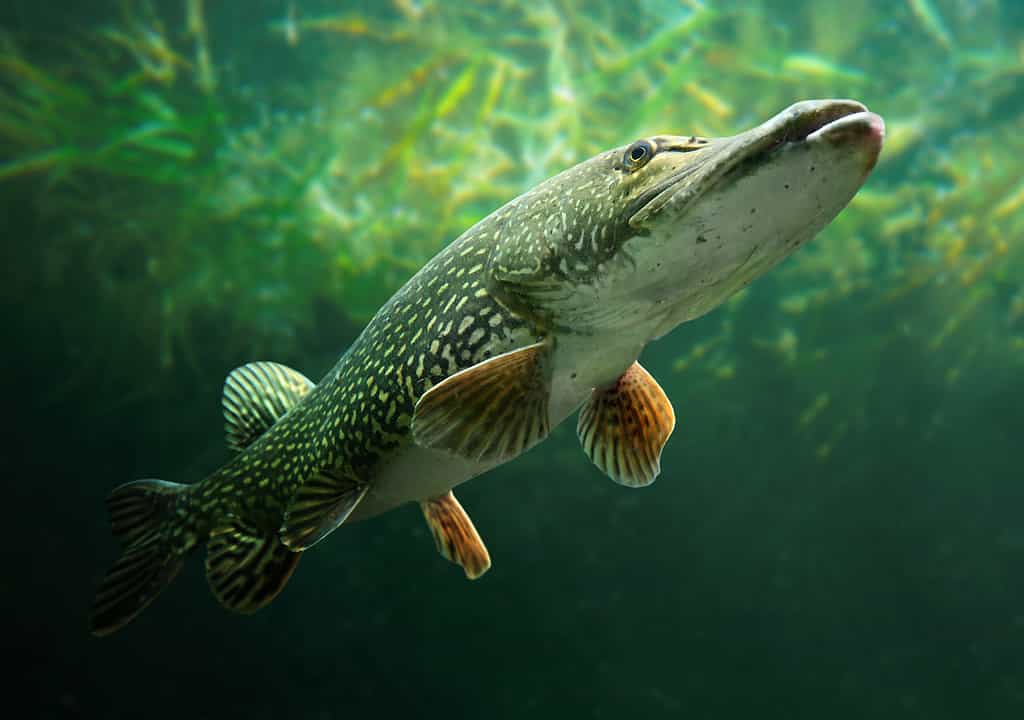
(540, 309)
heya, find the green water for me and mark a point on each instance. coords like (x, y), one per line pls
(838, 530)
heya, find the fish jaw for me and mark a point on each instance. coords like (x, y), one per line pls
(722, 158)
(748, 203)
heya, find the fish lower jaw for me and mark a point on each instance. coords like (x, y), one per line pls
(867, 125)
(864, 132)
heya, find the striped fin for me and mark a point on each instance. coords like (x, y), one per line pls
(320, 505)
(138, 509)
(624, 427)
(256, 396)
(247, 568)
(131, 585)
(491, 411)
(455, 536)
(143, 519)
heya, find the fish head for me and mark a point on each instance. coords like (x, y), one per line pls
(664, 229)
(714, 217)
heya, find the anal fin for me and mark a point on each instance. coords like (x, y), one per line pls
(491, 411)
(624, 427)
(247, 567)
(456, 538)
(319, 506)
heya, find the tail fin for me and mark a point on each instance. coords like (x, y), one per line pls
(143, 518)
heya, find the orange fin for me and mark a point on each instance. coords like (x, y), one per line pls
(491, 411)
(246, 567)
(456, 538)
(624, 427)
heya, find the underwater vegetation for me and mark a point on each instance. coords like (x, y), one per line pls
(201, 190)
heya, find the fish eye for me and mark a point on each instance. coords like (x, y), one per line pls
(637, 155)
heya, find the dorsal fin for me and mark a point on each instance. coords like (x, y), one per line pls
(256, 396)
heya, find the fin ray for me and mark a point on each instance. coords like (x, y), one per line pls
(320, 505)
(455, 535)
(256, 396)
(624, 427)
(247, 568)
(142, 518)
(494, 410)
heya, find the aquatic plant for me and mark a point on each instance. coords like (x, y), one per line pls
(110, 108)
(422, 117)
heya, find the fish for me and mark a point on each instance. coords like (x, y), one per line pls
(540, 309)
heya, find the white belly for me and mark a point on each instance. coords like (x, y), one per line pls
(579, 365)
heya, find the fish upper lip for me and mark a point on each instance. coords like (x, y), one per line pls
(802, 122)
(794, 124)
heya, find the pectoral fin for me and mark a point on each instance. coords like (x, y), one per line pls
(491, 411)
(624, 427)
(256, 396)
(320, 505)
(246, 567)
(456, 538)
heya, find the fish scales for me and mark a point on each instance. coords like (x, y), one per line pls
(540, 309)
(362, 408)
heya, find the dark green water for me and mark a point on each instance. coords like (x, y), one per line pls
(758, 577)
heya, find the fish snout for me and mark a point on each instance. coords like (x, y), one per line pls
(863, 132)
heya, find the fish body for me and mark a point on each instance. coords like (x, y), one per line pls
(537, 311)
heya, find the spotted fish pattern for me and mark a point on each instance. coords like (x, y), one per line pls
(307, 455)
(331, 437)
(463, 366)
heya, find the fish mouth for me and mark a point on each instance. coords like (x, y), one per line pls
(809, 121)
(804, 119)
(834, 121)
